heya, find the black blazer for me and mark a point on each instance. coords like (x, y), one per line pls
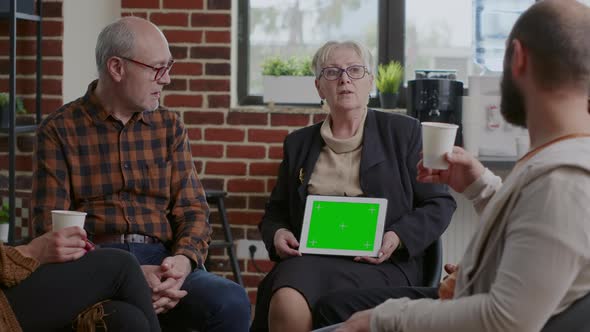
(417, 212)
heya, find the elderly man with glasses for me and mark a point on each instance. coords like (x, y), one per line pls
(124, 160)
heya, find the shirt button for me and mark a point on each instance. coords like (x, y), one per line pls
(126, 165)
(131, 219)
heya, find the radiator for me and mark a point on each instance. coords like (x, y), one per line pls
(459, 233)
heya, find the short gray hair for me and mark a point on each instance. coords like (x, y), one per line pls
(116, 39)
(322, 54)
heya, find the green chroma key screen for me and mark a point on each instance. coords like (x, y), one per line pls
(343, 225)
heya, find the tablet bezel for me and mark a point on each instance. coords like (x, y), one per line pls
(303, 248)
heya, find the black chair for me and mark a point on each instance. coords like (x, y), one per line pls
(432, 264)
(217, 197)
(576, 318)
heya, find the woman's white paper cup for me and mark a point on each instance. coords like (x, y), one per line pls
(62, 219)
(438, 139)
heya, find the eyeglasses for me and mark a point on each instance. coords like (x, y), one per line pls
(160, 71)
(354, 72)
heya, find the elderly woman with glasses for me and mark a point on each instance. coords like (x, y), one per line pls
(355, 151)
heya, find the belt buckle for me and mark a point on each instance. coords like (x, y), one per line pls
(136, 238)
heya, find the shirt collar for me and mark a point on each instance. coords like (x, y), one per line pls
(93, 103)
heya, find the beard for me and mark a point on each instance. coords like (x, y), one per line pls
(512, 101)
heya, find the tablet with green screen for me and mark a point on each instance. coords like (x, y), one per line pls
(349, 226)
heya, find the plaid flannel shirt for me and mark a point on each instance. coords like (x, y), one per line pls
(132, 178)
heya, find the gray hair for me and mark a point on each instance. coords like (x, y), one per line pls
(116, 39)
(322, 54)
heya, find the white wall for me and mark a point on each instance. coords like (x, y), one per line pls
(83, 20)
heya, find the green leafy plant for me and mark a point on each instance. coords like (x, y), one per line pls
(305, 67)
(389, 77)
(5, 99)
(275, 66)
(4, 216)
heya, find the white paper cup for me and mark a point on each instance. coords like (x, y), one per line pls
(522, 145)
(437, 140)
(62, 219)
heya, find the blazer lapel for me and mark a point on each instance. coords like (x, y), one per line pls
(304, 171)
(373, 152)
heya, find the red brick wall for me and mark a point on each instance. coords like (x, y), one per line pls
(237, 150)
(51, 86)
(233, 151)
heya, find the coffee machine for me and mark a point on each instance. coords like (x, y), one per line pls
(435, 96)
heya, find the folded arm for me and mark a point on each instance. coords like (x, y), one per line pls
(51, 178)
(189, 210)
(276, 214)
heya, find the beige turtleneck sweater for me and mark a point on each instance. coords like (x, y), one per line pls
(336, 171)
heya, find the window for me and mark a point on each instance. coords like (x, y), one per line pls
(422, 34)
(439, 36)
(297, 28)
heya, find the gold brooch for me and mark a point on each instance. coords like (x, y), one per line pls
(301, 175)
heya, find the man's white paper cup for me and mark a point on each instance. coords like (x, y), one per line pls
(438, 139)
(62, 219)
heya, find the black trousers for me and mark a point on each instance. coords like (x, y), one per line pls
(53, 296)
(337, 307)
(315, 276)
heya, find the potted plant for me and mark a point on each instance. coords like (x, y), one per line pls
(389, 77)
(4, 111)
(4, 219)
(288, 81)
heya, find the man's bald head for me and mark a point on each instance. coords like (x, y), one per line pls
(122, 38)
(556, 34)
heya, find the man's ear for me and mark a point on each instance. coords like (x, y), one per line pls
(115, 68)
(519, 60)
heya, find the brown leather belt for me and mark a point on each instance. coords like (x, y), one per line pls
(123, 238)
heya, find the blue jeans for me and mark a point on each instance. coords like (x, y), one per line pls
(213, 303)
